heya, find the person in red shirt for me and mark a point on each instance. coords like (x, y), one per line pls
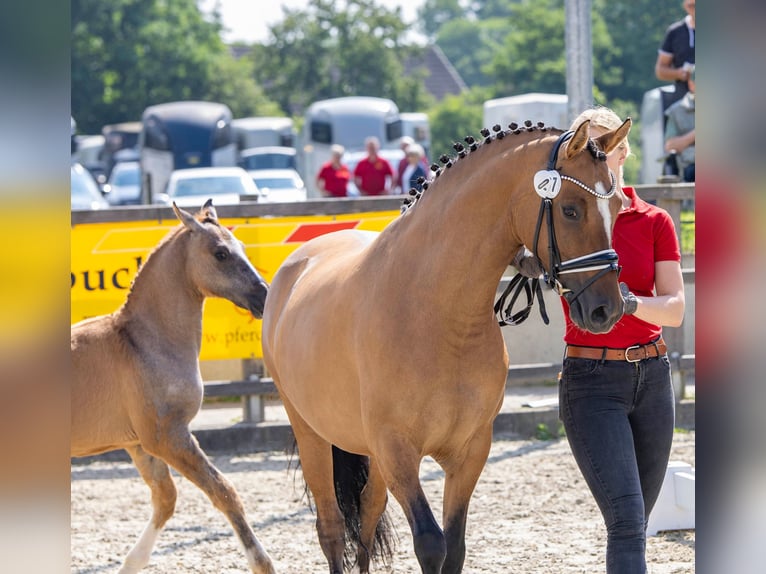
(616, 397)
(373, 175)
(333, 176)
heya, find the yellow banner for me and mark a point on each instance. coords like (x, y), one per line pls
(106, 257)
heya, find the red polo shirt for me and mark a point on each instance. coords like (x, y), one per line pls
(335, 180)
(373, 175)
(643, 235)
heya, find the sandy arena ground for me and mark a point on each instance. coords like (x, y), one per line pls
(531, 513)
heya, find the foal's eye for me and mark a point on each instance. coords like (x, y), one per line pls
(221, 255)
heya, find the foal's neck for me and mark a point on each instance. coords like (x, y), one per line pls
(164, 299)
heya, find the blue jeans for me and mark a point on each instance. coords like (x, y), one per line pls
(619, 419)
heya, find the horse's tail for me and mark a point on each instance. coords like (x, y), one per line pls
(351, 472)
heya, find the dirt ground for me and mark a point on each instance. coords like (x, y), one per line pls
(531, 513)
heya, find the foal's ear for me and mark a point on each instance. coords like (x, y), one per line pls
(186, 218)
(578, 142)
(208, 211)
(611, 140)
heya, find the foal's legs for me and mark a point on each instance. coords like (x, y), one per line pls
(317, 466)
(179, 449)
(461, 475)
(156, 474)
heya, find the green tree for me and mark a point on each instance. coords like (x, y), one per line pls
(326, 52)
(471, 46)
(454, 118)
(533, 57)
(129, 54)
(434, 14)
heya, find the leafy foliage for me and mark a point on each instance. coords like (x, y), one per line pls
(129, 54)
(326, 52)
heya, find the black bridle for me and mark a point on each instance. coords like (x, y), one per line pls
(547, 184)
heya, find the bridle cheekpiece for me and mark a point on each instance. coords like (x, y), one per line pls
(547, 184)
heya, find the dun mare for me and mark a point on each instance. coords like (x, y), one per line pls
(137, 384)
(385, 348)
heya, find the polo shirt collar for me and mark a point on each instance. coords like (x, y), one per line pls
(637, 204)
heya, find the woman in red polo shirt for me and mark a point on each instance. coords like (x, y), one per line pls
(333, 177)
(615, 395)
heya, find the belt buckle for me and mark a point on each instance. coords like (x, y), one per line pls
(630, 349)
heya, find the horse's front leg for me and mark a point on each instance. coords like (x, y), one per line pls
(461, 475)
(399, 465)
(317, 466)
(176, 446)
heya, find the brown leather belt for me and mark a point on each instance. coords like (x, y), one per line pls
(631, 354)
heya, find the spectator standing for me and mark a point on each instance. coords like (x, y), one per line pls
(373, 175)
(679, 133)
(414, 168)
(675, 59)
(400, 186)
(404, 143)
(334, 175)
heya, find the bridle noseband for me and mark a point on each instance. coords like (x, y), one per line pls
(547, 184)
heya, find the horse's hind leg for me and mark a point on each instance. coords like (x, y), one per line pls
(372, 505)
(156, 474)
(180, 450)
(461, 475)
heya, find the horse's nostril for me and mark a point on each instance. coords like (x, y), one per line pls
(599, 316)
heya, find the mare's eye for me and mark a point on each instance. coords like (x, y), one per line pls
(221, 255)
(569, 212)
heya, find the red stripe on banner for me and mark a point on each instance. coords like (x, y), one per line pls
(306, 231)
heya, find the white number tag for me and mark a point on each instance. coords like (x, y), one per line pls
(547, 183)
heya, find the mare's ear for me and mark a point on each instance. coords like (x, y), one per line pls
(578, 142)
(186, 218)
(208, 211)
(611, 140)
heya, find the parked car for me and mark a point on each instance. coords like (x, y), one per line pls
(85, 193)
(124, 184)
(278, 185)
(267, 157)
(351, 159)
(192, 187)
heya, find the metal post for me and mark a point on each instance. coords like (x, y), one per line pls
(579, 56)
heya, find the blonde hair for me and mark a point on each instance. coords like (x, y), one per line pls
(602, 118)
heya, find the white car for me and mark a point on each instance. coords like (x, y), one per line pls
(278, 185)
(124, 184)
(224, 185)
(84, 191)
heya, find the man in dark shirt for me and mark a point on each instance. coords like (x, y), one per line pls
(675, 59)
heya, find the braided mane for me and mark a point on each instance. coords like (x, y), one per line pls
(488, 136)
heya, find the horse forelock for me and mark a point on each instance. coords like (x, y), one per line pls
(474, 145)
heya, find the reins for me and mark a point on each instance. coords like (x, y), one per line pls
(547, 184)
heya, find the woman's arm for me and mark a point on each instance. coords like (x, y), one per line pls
(667, 308)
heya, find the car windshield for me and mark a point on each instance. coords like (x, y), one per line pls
(275, 182)
(209, 186)
(269, 161)
(127, 177)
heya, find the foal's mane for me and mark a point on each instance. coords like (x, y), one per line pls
(472, 145)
